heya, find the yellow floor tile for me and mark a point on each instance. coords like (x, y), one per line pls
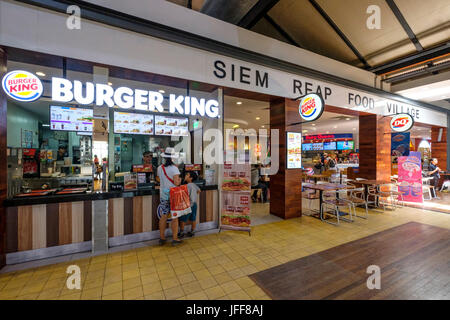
(222, 278)
(245, 282)
(152, 287)
(92, 294)
(230, 287)
(207, 283)
(131, 283)
(215, 292)
(186, 278)
(155, 296)
(174, 293)
(133, 293)
(113, 296)
(169, 283)
(191, 287)
(130, 274)
(112, 288)
(255, 292)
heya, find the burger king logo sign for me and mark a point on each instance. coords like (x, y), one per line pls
(22, 86)
(311, 107)
(402, 122)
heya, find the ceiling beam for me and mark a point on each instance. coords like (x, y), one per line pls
(339, 32)
(412, 59)
(282, 31)
(256, 13)
(401, 19)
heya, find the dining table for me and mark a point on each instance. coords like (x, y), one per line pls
(326, 187)
(367, 183)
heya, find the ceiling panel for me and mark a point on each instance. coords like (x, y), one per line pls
(265, 28)
(351, 18)
(300, 20)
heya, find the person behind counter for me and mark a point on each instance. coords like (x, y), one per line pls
(62, 153)
(169, 177)
(147, 159)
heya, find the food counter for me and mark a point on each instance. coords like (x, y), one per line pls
(53, 225)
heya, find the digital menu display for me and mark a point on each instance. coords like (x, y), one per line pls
(307, 147)
(171, 126)
(345, 145)
(329, 145)
(317, 146)
(294, 150)
(71, 119)
(133, 123)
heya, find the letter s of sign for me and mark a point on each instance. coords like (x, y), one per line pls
(74, 280)
(74, 20)
(374, 20)
(374, 281)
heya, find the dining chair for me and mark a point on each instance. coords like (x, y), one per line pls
(329, 201)
(310, 195)
(357, 198)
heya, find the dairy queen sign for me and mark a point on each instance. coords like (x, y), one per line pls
(402, 122)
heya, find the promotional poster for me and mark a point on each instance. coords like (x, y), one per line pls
(410, 177)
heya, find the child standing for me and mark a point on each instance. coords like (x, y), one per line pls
(190, 218)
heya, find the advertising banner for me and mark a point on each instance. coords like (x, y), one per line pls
(236, 188)
(410, 177)
(400, 144)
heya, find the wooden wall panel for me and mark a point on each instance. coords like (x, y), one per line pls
(216, 206)
(203, 207)
(11, 229)
(39, 226)
(118, 216)
(128, 215)
(374, 147)
(147, 213)
(439, 147)
(137, 214)
(110, 218)
(209, 205)
(155, 203)
(25, 228)
(65, 223)
(87, 220)
(285, 186)
(52, 224)
(77, 221)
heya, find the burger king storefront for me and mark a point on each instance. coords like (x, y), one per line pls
(80, 123)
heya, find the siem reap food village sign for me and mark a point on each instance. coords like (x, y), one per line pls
(25, 86)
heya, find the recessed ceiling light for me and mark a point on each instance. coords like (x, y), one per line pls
(263, 126)
(161, 91)
(313, 124)
(305, 130)
(258, 118)
(347, 119)
(235, 126)
(239, 102)
(354, 129)
(40, 74)
(109, 83)
(335, 127)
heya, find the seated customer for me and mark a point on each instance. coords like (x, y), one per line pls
(258, 183)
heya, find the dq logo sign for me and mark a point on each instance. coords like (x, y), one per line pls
(22, 86)
(311, 107)
(402, 122)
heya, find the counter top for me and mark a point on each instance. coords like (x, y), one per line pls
(15, 202)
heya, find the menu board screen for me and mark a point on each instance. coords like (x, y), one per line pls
(170, 126)
(317, 146)
(345, 145)
(307, 146)
(133, 123)
(71, 119)
(329, 145)
(294, 150)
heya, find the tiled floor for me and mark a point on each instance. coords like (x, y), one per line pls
(214, 266)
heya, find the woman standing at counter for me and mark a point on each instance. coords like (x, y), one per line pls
(169, 177)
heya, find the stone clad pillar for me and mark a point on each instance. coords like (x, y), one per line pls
(439, 146)
(285, 186)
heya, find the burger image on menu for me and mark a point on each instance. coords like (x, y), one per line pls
(130, 185)
(238, 221)
(173, 123)
(161, 122)
(148, 122)
(160, 131)
(235, 184)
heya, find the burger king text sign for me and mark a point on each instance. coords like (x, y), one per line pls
(311, 107)
(22, 86)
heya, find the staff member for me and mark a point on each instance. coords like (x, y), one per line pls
(169, 177)
(147, 159)
(434, 172)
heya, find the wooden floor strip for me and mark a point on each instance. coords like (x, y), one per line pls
(405, 254)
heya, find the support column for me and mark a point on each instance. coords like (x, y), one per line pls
(439, 146)
(285, 186)
(374, 147)
(3, 173)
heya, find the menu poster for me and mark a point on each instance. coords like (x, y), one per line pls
(400, 144)
(235, 211)
(71, 119)
(169, 126)
(410, 177)
(294, 150)
(133, 123)
(130, 181)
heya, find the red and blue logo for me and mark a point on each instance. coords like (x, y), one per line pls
(402, 122)
(311, 107)
(22, 86)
